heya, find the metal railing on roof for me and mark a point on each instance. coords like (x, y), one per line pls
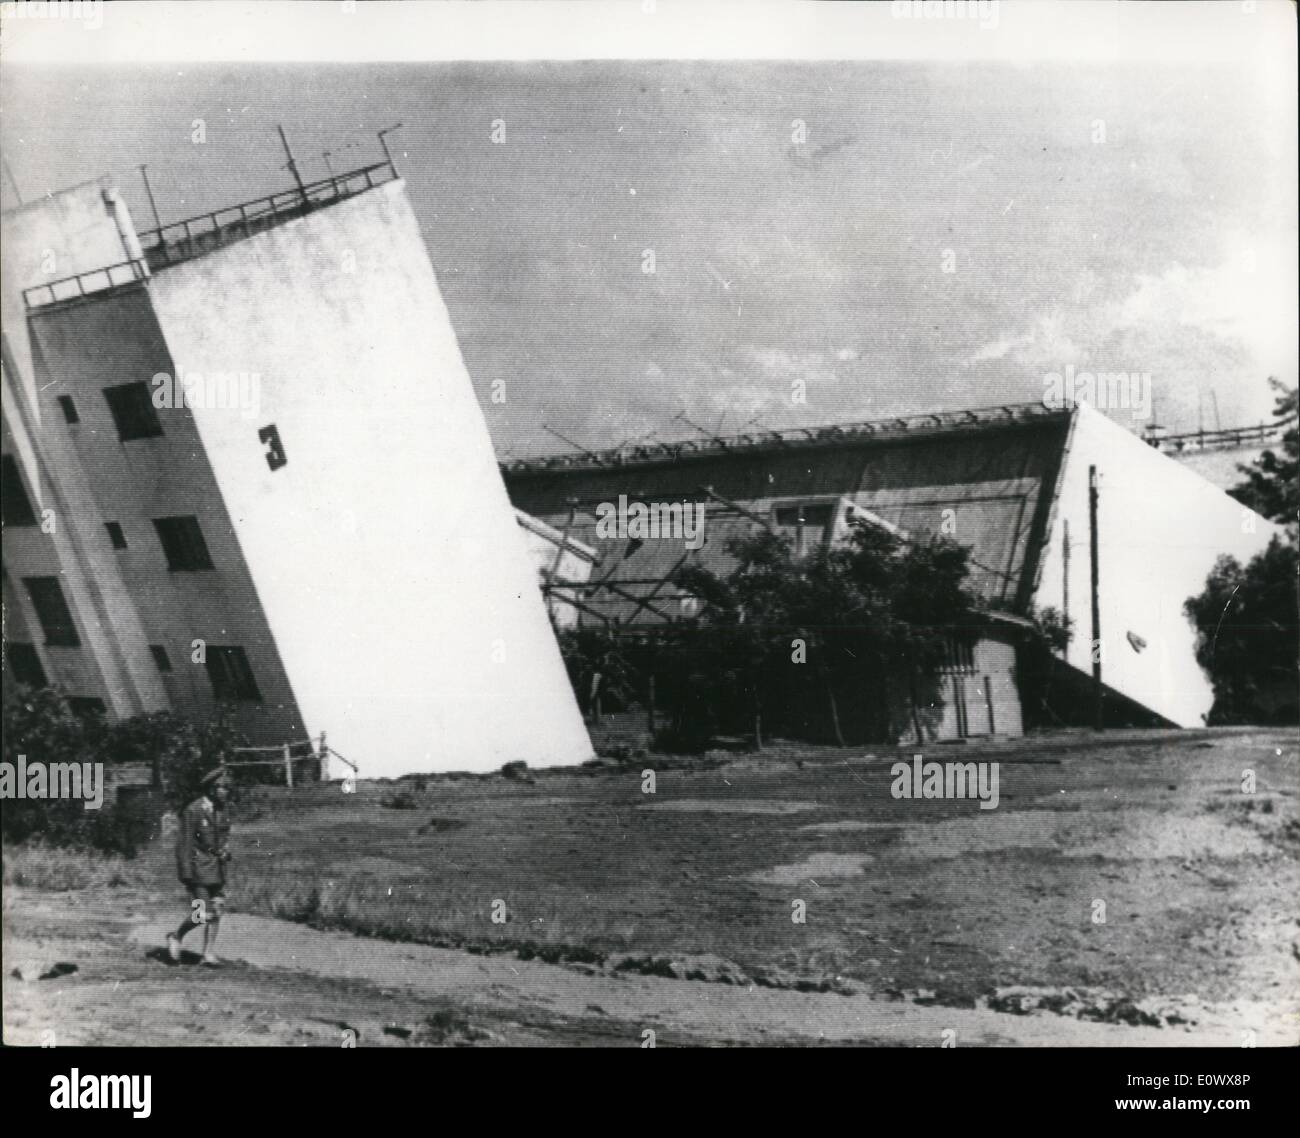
(84, 284)
(194, 236)
(1221, 438)
(790, 437)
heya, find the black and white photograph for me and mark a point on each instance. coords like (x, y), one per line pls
(650, 525)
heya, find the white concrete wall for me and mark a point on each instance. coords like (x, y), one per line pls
(385, 553)
(1161, 528)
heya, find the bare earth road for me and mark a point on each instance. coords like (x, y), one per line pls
(287, 983)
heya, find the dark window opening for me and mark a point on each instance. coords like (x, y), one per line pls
(52, 611)
(115, 535)
(806, 523)
(231, 676)
(87, 708)
(790, 517)
(15, 506)
(131, 406)
(69, 409)
(25, 665)
(160, 657)
(183, 544)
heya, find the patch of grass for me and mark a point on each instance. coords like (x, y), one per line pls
(399, 801)
(58, 870)
(587, 875)
(553, 924)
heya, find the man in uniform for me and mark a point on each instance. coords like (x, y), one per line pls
(201, 857)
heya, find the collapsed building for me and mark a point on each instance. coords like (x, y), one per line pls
(1012, 483)
(245, 474)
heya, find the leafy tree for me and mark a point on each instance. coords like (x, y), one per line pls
(1272, 486)
(178, 752)
(40, 727)
(1036, 663)
(39, 724)
(1247, 632)
(865, 613)
(1248, 635)
(748, 616)
(600, 667)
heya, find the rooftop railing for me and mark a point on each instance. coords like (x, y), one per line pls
(790, 437)
(184, 240)
(84, 284)
(1224, 438)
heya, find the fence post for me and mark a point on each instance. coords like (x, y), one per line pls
(324, 759)
(288, 768)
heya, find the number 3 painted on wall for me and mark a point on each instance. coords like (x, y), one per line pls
(275, 456)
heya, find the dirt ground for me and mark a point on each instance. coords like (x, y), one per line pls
(1124, 892)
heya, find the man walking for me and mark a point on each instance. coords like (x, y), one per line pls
(201, 857)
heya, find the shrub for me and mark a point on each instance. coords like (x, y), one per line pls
(39, 724)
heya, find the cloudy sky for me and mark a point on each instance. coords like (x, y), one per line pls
(1111, 216)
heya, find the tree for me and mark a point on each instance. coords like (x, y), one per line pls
(1272, 486)
(1036, 663)
(178, 753)
(39, 725)
(598, 664)
(748, 617)
(867, 614)
(1248, 635)
(1247, 627)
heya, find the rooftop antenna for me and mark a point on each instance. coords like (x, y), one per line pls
(758, 422)
(384, 143)
(565, 438)
(13, 181)
(148, 189)
(682, 416)
(636, 439)
(293, 163)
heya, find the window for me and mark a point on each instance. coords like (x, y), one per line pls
(183, 543)
(115, 535)
(791, 517)
(87, 708)
(25, 665)
(17, 507)
(806, 522)
(131, 405)
(160, 657)
(232, 678)
(52, 611)
(69, 409)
